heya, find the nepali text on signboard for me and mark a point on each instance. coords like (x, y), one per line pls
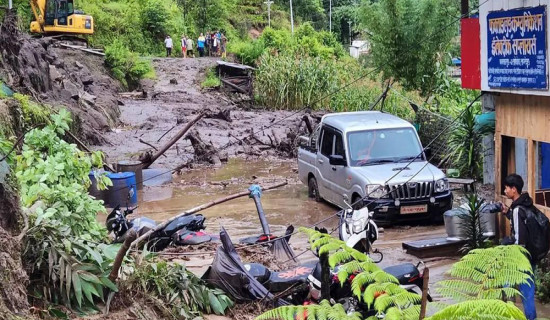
(516, 52)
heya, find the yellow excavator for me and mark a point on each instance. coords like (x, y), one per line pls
(58, 17)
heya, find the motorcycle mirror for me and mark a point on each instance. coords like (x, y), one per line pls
(347, 204)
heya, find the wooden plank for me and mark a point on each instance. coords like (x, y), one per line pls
(498, 170)
(82, 49)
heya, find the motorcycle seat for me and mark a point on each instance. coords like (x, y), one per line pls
(282, 280)
(258, 271)
(403, 272)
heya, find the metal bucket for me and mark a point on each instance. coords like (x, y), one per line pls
(123, 192)
(453, 224)
(132, 166)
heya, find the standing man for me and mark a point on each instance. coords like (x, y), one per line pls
(183, 46)
(200, 44)
(521, 205)
(189, 43)
(223, 46)
(168, 44)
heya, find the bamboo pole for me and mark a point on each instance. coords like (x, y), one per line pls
(173, 140)
(200, 208)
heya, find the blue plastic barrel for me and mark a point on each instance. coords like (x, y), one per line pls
(94, 191)
(123, 192)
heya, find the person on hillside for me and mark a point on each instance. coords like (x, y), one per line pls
(190, 51)
(223, 46)
(168, 44)
(219, 37)
(201, 41)
(209, 43)
(522, 203)
(215, 45)
(183, 46)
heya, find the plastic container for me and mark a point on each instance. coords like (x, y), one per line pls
(94, 191)
(156, 177)
(132, 166)
(123, 192)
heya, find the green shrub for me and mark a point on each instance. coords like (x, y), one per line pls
(247, 52)
(126, 66)
(153, 19)
(212, 80)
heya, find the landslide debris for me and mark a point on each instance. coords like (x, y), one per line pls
(59, 77)
(13, 279)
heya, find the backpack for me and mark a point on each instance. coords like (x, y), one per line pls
(538, 233)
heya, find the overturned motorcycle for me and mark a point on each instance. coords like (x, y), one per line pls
(298, 285)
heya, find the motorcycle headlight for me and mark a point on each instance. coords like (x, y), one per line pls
(376, 191)
(359, 225)
(441, 185)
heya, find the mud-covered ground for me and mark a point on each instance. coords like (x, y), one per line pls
(170, 106)
(173, 100)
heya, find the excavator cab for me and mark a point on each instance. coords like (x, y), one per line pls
(59, 17)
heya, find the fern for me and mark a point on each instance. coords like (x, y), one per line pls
(488, 274)
(480, 309)
(355, 267)
(321, 311)
(395, 313)
(365, 278)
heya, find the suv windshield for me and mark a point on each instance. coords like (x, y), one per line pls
(383, 146)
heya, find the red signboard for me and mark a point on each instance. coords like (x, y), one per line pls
(470, 46)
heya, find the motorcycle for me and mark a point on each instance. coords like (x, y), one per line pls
(359, 231)
(184, 230)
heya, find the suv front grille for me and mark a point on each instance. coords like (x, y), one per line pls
(411, 190)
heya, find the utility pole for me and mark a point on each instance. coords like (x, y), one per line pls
(268, 2)
(291, 19)
(330, 15)
(10, 4)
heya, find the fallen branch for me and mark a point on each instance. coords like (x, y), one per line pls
(147, 143)
(173, 140)
(200, 208)
(132, 235)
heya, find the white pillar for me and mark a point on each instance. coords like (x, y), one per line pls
(10, 4)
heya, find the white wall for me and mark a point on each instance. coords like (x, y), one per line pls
(496, 5)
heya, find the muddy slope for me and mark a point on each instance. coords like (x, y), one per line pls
(175, 98)
(59, 77)
(13, 280)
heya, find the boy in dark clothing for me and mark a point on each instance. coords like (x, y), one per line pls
(513, 185)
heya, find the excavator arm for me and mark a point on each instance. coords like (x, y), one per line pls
(38, 9)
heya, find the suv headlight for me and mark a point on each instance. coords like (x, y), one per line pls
(441, 185)
(376, 191)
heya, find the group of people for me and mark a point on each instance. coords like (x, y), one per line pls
(212, 45)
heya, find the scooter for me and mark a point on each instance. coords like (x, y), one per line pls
(184, 230)
(359, 231)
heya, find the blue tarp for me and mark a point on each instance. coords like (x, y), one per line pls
(456, 61)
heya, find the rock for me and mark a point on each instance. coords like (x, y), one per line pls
(54, 74)
(120, 103)
(79, 65)
(51, 57)
(86, 97)
(71, 88)
(173, 81)
(87, 80)
(147, 126)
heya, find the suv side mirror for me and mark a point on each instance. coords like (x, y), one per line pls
(337, 160)
(428, 153)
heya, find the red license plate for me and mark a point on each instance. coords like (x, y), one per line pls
(414, 209)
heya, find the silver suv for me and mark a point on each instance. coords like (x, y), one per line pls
(376, 157)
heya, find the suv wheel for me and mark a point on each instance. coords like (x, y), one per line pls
(313, 189)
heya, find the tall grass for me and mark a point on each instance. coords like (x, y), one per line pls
(287, 82)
